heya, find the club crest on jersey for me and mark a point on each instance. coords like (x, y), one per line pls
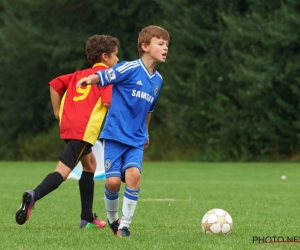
(155, 90)
(107, 164)
(110, 75)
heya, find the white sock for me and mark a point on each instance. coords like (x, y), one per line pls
(129, 205)
(111, 201)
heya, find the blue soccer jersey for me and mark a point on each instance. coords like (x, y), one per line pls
(134, 94)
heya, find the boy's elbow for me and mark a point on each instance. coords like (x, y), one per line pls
(107, 105)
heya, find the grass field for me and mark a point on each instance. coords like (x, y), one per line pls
(173, 199)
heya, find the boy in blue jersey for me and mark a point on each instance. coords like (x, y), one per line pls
(136, 87)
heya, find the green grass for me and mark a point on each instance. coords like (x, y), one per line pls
(172, 202)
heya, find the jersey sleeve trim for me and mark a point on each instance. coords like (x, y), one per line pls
(100, 84)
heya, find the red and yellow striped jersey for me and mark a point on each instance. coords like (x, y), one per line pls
(81, 111)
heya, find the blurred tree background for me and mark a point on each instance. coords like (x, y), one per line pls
(231, 87)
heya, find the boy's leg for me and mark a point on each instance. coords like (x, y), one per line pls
(68, 160)
(111, 201)
(131, 175)
(131, 194)
(86, 189)
(51, 182)
(113, 151)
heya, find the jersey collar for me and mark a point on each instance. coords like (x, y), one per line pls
(146, 70)
(100, 64)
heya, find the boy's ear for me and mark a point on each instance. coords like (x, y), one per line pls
(104, 57)
(145, 47)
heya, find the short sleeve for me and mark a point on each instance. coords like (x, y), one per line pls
(106, 94)
(61, 83)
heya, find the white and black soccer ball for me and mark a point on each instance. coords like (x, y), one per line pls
(217, 221)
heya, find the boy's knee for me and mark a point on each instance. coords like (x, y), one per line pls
(113, 183)
(89, 163)
(63, 170)
(132, 178)
(133, 173)
(89, 167)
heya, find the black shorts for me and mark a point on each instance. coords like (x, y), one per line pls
(73, 151)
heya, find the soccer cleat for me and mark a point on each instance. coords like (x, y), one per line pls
(123, 232)
(88, 225)
(114, 226)
(22, 215)
(95, 224)
(100, 223)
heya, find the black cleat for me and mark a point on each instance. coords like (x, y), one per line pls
(22, 215)
(124, 232)
(114, 226)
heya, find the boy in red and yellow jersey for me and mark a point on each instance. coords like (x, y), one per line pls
(81, 112)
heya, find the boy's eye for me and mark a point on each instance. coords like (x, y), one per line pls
(163, 43)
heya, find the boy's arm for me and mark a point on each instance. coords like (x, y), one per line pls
(106, 96)
(117, 74)
(55, 100)
(147, 125)
(90, 80)
(58, 86)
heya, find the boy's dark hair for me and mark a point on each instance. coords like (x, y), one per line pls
(96, 45)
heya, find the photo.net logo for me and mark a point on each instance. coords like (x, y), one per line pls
(275, 239)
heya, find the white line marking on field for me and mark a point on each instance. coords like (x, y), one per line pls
(157, 199)
(154, 199)
(163, 199)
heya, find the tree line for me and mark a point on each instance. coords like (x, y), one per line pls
(231, 80)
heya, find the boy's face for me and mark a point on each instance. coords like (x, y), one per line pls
(158, 49)
(112, 59)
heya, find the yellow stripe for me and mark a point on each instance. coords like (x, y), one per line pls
(79, 156)
(62, 103)
(96, 119)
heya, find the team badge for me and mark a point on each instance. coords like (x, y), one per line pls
(155, 90)
(110, 75)
(107, 164)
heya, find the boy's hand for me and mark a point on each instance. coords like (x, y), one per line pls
(147, 143)
(56, 114)
(92, 79)
(81, 83)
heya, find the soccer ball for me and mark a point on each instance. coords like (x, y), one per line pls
(217, 221)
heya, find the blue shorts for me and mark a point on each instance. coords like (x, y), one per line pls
(118, 157)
